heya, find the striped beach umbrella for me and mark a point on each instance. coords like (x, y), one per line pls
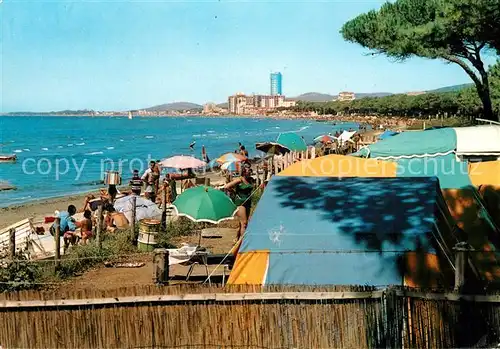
(231, 157)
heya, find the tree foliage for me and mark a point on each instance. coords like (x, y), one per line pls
(464, 103)
(456, 31)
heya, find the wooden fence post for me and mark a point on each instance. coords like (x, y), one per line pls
(98, 236)
(461, 257)
(57, 237)
(160, 266)
(164, 211)
(134, 207)
(12, 244)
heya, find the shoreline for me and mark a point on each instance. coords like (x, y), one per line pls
(39, 208)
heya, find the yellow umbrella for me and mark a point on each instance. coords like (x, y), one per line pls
(341, 166)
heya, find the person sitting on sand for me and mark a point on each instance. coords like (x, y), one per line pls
(67, 226)
(86, 227)
(115, 220)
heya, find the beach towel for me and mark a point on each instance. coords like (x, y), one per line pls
(181, 255)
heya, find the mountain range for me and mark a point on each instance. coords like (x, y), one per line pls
(305, 97)
(175, 106)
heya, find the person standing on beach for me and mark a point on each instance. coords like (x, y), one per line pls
(136, 183)
(243, 151)
(156, 175)
(243, 188)
(149, 178)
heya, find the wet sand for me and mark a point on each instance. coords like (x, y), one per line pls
(37, 210)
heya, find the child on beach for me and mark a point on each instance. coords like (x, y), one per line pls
(86, 227)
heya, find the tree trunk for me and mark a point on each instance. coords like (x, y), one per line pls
(484, 94)
(482, 84)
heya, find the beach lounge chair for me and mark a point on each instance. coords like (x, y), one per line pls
(27, 241)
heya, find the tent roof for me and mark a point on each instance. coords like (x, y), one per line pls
(485, 173)
(387, 134)
(341, 166)
(475, 140)
(452, 173)
(292, 141)
(363, 225)
(411, 144)
(346, 135)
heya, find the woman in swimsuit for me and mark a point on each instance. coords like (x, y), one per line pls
(243, 188)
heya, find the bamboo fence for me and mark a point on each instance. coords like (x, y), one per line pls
(194, 316)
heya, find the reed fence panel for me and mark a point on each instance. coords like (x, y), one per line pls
(194, 316)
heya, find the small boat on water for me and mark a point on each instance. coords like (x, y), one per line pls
(130, 115)
(8, 158)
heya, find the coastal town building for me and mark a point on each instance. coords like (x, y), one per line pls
(289, 103)
(346, 96)
(240, 103)
(213, 109)
(276, 84)
(416, 93)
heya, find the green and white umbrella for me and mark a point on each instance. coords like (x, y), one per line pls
(205, 204)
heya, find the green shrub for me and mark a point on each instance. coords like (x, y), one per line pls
(20, 275)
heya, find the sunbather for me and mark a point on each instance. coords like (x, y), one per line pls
(115, 220)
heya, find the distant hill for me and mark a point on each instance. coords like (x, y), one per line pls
(450, 88)
(175, 106)
(223, 105)
(314, 97)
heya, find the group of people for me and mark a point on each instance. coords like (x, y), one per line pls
(80, 232)
(150, 181)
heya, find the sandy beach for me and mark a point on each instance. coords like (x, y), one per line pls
(37, 210)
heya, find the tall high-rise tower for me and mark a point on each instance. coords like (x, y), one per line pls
(276, 84)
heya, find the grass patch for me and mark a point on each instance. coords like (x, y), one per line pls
(23, 274)
(83, 257)
(181, 227)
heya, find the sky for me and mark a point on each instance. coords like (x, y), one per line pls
(121, 55)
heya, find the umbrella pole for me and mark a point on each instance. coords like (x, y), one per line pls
(164, 213)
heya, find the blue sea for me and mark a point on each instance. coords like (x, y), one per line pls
(58, 156)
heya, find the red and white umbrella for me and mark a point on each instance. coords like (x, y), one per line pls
(182, 162)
